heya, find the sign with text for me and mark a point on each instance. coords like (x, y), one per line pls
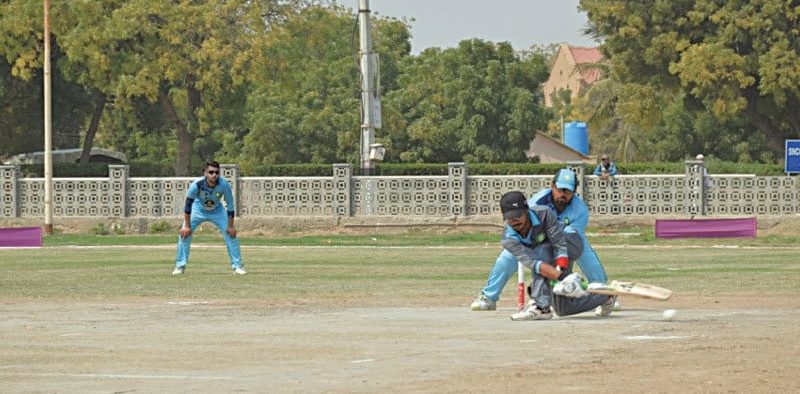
(792, 156)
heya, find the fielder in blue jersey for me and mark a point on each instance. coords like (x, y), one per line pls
(204, 204)
(573, 213)
(535, 237)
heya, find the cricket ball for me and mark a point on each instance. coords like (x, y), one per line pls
(669, 314)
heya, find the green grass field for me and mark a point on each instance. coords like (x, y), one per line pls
(414, 268)
(386, 313)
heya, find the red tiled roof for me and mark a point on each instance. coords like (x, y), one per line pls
(585, 55)
(590, 75)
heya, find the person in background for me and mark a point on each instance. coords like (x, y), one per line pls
(606, 169)
(706, 181)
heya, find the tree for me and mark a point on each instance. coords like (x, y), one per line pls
(477, 102)
(305, 106)
(733, 60)
(22, 110)
(187, 56)
(22, 45)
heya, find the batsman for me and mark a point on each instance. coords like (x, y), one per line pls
(535, 237)
(573, 213)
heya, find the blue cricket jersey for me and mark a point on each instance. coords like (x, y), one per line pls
(575, 215)
(209, 199)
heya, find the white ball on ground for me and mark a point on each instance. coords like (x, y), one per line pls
(669, 314)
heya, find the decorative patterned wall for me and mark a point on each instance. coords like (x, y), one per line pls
(752, 195)
(9, 181)
(155, 197)
(280, 196)
(401, 195)
(456, 194)
(635, 195)
(485, 190)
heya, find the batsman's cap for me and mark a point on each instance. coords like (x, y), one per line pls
(513, 204)
(565, 179)
(699, 157)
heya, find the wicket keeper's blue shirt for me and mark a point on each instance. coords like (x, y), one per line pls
(575, 215)
(209, 199)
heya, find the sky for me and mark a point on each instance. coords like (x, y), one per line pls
(444, 23)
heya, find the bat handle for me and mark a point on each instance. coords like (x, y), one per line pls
(520, 287)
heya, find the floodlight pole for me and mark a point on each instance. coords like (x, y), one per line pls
(48, 129)
(368, 90)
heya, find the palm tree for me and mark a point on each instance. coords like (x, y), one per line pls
(598, 104)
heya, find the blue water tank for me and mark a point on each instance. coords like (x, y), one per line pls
(576, 136)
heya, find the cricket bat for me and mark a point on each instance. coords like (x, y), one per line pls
(619, 288)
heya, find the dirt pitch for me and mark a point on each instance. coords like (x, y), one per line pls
(735, 344)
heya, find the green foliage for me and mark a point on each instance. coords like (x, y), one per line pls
(729, 67)
(102, 229)
(73, 170)
(388, 169)
(728, 167)
(161, 227)
(72, 273)
(305, 104)
(514, 169)
(715, 166)
(270, 81)
(290, 170)
(649, 168)
(21, 106)
(478, 102)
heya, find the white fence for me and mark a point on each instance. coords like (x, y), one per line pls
(457, 194)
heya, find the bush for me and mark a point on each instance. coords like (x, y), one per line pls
(161, 227)
(291, 170)
(102, 229)
(146, 169)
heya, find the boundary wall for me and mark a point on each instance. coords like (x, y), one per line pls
(456, 195)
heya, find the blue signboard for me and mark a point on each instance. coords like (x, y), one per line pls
(792, 156)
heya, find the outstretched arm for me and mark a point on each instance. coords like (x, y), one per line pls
(521, 252)
(186, 228)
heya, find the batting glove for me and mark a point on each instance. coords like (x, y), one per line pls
(570, 287)
(562, 262)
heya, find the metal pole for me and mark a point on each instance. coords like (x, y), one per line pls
(48, 132)
(367, 87)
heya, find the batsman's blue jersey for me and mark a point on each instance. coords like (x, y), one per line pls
(544, 228)
(575, 218)
(209, 199)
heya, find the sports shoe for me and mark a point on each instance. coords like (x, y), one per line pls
(606, 308)
(239, 271)
(483, 303)
(532, 312)
(178, 270)
(570, 286)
